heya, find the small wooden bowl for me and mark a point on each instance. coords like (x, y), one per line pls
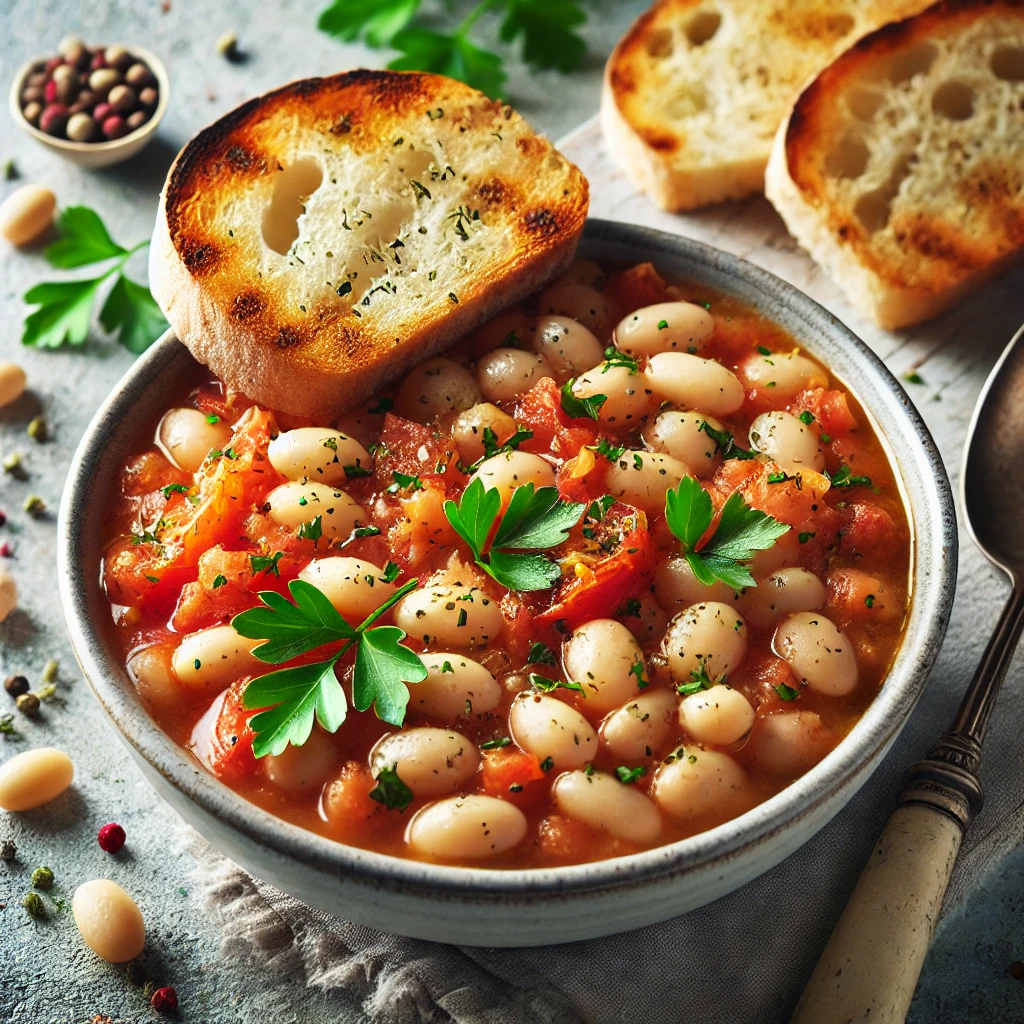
(94, 155)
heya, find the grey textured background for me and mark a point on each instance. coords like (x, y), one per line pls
(46, 975)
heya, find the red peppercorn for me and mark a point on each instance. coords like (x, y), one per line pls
(111, 838)
(3, 517)
(6, 551)
(164, 999)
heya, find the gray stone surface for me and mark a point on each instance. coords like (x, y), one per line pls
(46, 975)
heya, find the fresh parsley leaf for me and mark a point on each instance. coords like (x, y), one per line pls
(64, 313)
(292, 629)
(786, 692)
(174, 489)
(390, 790)
(843, 477)
(313, 530)
(537, 519)
(391, 572)
(292, 697)
(544, 685)
(219, 581)
(610, 451)
(492, 446)
(725, 443)
(869, 601)
(806, 418)
(581, 408)
(377, 21)
(474, 515)
(266, 563)
(382, 668)
(626, 775)
(83, 240)
(522, 572)
(614, 357)
(452, 55)
(547, 28)
(599, 508)
(741, 531)
(404, 482)
(496, 744)
(541, 654)
(913, 377)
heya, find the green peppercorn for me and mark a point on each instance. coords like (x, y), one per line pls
(8, 850)
(34, 506)
(33, 903)
(37, 429)
(28, 704)
(16, 686)
(12, 462)
(42, 878)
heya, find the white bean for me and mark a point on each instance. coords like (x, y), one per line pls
(818, 651)
(153, 675)
(604, 658)
(628, 397)
(294, 504)
(698, 783)
(582, 303)
(709, 637)
(639, 728)
(665, 327)
(214, 657)
(680, 435)
(785, 373)
(26, 213)
(306, 767)
(506, 472)
(34, 777)
(187, 437)
(644, 618)
(452, 615)
(8, 593)
(787, 441)
(12, 383)
(469, 426)
(566, 344)
(782, 593)
(676, 587)
(641, 479)
(109, 920)
(435, 388)
(718, 715)
(353, 586)
(790, 742)
(431, 762)
(467, 827)
(695, 383)
(455, 686)
(583, 271)
(600, 800)
(507, 373)
(549, 728)
(318, 454)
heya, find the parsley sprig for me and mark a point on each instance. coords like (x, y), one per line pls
(293, 696)
(536, 519)
(65, 308)
(492, 446)
(546, 30)
(741, 532)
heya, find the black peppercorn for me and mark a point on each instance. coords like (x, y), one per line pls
(8, 850)
(16, 686)
(28, 704)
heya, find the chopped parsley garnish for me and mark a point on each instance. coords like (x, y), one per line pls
(366, 531)
(764, 350)
(631, 609)
(843, 477)
(541, 654)
(174, 489)
(662, 324)
(383, 405)
(536, 519)
(699, 679)
(492, 446)
(293, 696)
(544, 685)
(782, 477)
(825, 438)
(637, 669)
(266, 564)
(610, 451)
(218, 581)
(495, 744)
(404, 482)
(547, 764)
(741, 532)
(806, 418)
(869, 601)
(725, 444)
(613, 357)
(805, 536)
(626, 775)
(390, 790)
(313, 530)
(581, 408)
(599, 508)
(786, 692)
(913, 377)
(391, 572)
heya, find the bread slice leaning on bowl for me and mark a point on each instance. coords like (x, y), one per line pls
(901, 166)
(695, 90)
(329, 235)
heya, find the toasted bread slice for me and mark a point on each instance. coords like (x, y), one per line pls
(901, 166)
(695, 91)
(327, 236)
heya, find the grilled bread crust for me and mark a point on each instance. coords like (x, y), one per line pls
(901, 166)
(693, 93)
(415, 207)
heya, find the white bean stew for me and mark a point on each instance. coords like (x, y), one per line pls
(618, 567)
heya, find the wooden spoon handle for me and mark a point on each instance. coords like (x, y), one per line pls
(869, 968)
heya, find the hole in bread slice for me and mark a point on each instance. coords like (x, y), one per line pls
(914, 61)
(702, 27)
(850, 157)
(292, 187)
(954, 100)
(1008, 63)
(659, 44)
(873, 208)
(864, 103)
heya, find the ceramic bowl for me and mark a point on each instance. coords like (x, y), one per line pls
(480, 906)
(93, 155)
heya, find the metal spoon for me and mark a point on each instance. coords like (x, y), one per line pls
(870, 966)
